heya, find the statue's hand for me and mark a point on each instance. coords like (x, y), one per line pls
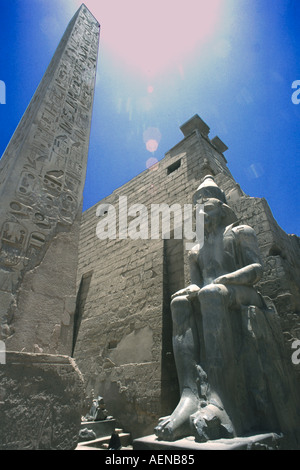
(246, 276)
(225, 279)
(190, 291)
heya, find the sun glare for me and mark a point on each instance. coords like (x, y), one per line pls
(153, 35)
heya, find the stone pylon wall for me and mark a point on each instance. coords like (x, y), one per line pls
(42, 174)
(124, 341)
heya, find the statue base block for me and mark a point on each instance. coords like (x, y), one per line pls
(270, 441)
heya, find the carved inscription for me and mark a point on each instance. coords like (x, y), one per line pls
(54, 148)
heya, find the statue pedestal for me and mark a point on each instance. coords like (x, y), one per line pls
(270, 441)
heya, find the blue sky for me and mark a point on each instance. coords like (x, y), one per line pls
(161, 62)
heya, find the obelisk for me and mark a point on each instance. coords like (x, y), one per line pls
(42, 175)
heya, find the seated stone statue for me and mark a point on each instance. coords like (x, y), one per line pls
(223, 336)
(97, 411)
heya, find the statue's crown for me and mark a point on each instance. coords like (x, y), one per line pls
(209, 189)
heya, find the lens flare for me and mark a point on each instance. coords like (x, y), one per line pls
(152, 145)
(152, 163)
(152, 137)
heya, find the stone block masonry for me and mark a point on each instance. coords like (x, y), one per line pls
(124, 340)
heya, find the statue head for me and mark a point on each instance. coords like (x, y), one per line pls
(213, 201)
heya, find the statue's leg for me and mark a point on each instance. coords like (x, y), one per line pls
(220, 305)
(219, 350)
(215, 300)
(185, 343)
(186, 353)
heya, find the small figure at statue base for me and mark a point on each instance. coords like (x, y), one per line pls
(97, 411)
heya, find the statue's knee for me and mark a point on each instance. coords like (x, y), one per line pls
(180, 308)
(178, 303)
(212, 291)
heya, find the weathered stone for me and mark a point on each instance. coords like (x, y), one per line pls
(122, 297)
(42, 398)
(95, 429)
(195, 123)
(228, 346)
(86, 434)
(220, 146)
(42, 175)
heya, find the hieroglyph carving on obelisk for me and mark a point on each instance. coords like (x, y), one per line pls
(42, 175)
